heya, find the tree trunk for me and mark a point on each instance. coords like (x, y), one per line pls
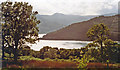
(107, 65)
(15, 51)
(101, 52)
(3, 55)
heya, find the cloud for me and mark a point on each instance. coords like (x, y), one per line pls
(75, 7)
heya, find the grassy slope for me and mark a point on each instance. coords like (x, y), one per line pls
(51, 63)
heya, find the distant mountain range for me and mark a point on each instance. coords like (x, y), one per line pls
(50, 23)
(77, 31)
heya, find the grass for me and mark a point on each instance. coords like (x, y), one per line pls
(101, 65)
(41, 64)
(54, 64)
(46, 59)
(31, 62)
(28, 58)
(49, 64)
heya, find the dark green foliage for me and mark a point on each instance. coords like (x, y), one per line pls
(49, 52)
(98, 32)
(20, 25)
(102, 48)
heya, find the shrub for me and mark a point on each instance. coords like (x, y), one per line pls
(84, 61)
(28, 58)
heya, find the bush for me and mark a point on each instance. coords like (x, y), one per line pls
(47, 59)
(84, 61)
(28, 58)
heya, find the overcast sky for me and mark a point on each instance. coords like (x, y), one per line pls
(74, 7)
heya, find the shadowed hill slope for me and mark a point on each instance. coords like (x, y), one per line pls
(77, 31)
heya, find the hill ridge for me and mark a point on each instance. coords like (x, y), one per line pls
(77, 31)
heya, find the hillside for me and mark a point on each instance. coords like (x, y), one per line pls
(50, 23)
(77, 31)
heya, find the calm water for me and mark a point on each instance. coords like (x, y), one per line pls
(58, 43)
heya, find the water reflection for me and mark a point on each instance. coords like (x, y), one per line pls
(67, 44)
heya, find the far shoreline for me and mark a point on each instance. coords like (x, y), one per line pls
(64, 39)
(42, 38)
(69, 39)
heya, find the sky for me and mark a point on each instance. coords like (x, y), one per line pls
(73, 7)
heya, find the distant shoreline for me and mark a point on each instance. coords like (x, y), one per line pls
(41, 38)
(64, 39)
(68, 39)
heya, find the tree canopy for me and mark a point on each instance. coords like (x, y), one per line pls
(98, 31)
(105, 47)
(19, 24)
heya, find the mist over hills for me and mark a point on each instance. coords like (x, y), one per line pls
(50, 23)
(77, 31)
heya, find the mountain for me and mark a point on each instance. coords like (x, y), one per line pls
(50, 23)
(110, 14)
(77, 31)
